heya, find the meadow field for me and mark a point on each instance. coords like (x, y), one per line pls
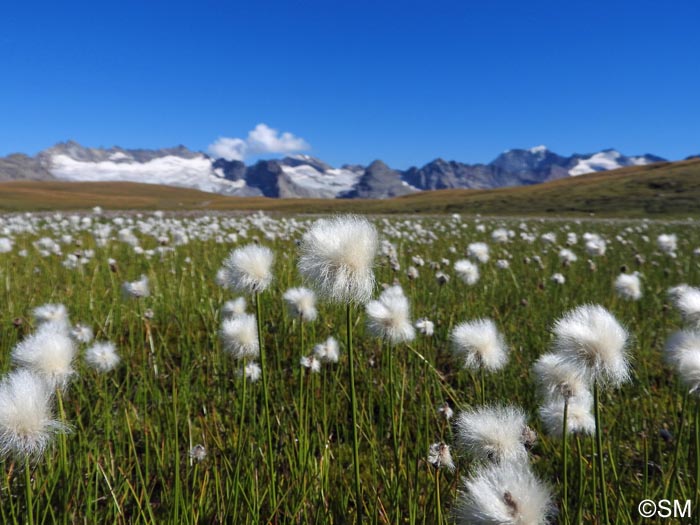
(193, 426)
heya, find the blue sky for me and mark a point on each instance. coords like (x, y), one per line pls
(402, 81)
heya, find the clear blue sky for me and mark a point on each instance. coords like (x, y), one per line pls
(402, 81)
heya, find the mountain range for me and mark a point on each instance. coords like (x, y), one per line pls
(303, 176)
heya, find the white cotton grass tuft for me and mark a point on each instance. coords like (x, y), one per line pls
(497, 433)
(311, 362)
(566, 256)
(439, 456)
(102, 356)
(252, 371)
(579, 416)
(628, 286)
(467, 271)
(249, 268)
(558, 278)
(425, 326)
(239, 336)
(389, 316)
(82, 333)
(687, 300)
(48, 352)
(558, 378)
(137, 289)
(683, 352)
(336, 257)
(667, 243)
(52, 313)
(26, 421)
(504, 494)
(478, 251)
(301, 303)
(479, 344)
(592, 340)
(234, 307)
(328, 351)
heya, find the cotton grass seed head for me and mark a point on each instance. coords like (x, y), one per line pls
(494, 433)
(504, 494)
(48, 352)
(102, 356)
(558, 378)
(439, 456)
(136, 289)
(389, 316)
(82, 333)
(301, 303)
(467, 271)
(336, 257)
(249, 268)
(687, 300)
(26, 422)
(234, 308)
(628, 286)
(590, 339)
(579, 417)
(239, 336)
(479, 344)
(52, 313)
(328, 351)
(683, 352)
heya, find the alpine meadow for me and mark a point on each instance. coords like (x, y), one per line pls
(252, 368)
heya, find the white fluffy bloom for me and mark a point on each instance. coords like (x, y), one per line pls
(494, 433)
(467, 271)
(328, 351)
(683, 352)
(252, 371)
(102, 356)
(687, 300)
(479, 344)
(336, 256)
(239, 336)
(26, 422)
(249, 268)
(48, 352)
(504, 494)
(628, 286)
(667, 243)
(439, 456)
(301, 303)
(389, 316)
(590, 338)
(499, 235)
(137, 288)
(558, 278)
(52, 313)
(311, 362)
(425, 326)
(567, 256)
(235, 307)
(478, 251)
(502, 264)
(6, 245)
(579, 418)
(595, 246)
(82, 333)
(558, 378)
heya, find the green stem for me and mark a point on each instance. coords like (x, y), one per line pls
(28, 488)
(263, 373)
(565, 462)
(355, 421)
(671, 484)
(581, 482)
(599, 447)
(438, 505)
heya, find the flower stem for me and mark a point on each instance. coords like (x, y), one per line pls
(599, 448)
(581, 482)
(28, 489)
(355, 422)
(671, 483)
(266, 407)
(565, 461)
(438, 505)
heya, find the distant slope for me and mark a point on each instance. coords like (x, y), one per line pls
(669, 189)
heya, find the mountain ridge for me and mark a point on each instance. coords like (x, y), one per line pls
(303, 176)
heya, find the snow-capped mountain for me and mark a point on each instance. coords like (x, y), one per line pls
(302, 175)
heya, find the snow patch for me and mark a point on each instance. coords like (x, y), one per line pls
(169, 170)
(538, 149)
(331, 182)
(605, 160)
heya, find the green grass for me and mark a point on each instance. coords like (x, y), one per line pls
(658, 190)
(127, 456)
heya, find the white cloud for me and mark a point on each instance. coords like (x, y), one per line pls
(260, 141)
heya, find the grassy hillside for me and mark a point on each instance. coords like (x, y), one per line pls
(660, 189)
